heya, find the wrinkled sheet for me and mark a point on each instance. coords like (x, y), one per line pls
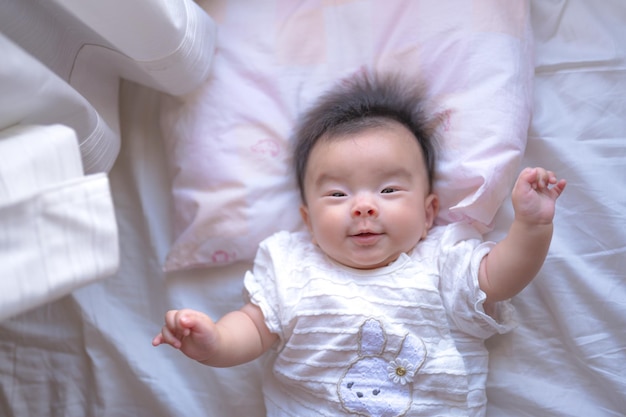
(90, 353)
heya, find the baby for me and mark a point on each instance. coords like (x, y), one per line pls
(375, 311)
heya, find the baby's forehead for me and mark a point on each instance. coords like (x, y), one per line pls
(375, 146)
(362, 125)
(388, 128)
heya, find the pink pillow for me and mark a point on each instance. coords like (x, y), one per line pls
(228, 144)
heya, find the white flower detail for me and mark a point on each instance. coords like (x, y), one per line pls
(401, 371)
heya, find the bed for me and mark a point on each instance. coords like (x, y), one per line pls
(144, 153)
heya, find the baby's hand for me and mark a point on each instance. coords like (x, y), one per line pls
(534, 195)
(194, 333)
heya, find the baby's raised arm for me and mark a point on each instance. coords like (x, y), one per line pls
(514, 261)
(238, 337)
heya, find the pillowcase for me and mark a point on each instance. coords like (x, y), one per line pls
(228, 143)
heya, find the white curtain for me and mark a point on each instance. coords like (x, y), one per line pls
(62, 62)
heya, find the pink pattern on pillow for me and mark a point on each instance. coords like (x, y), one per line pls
(223, 257)
(269, 147)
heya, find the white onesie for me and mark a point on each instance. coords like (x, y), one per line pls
(405, 339)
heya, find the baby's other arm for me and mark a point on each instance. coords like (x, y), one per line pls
(238, 337)
(514, 261)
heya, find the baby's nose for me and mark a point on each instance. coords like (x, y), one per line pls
(368, 212)
(364, 208)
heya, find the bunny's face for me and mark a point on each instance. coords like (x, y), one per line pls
(366, 389)
(376, 386)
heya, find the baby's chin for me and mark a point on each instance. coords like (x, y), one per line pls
(367, 264)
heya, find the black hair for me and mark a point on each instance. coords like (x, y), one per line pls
(361, 102)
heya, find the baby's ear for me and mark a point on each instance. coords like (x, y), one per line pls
(304, 213)
(431, 207)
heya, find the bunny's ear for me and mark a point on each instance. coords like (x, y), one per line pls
(413, 351)
(372, 338)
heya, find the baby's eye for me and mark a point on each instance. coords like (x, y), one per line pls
(337, 194)
(388, 190)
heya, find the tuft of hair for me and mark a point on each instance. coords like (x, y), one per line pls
(363, 101)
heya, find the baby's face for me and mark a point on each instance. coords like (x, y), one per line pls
(367, 196)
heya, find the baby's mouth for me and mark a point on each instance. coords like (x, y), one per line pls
(366, 238)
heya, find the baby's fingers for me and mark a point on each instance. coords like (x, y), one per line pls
(548, 183)
(175, 329)
(541, 179)
(558, 188)
(166, 337)
(184, 321)
(158, 339)
(538, 178)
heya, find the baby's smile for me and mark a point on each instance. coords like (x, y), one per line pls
(366, 238)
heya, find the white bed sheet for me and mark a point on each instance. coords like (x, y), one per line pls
(89, 354)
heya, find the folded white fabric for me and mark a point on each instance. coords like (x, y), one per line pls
(32, 94)
(62, 62)
(171, 51)
(34, 157)
(57, 227)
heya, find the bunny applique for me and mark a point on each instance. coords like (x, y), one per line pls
(379, 384)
